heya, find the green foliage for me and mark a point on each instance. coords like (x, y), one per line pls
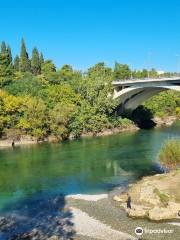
(48, 67)
(178, 112)
(163, 104)
(25, 65)
(169, 155)
(16, 63)
(26, 85)
(122, 71)
(60, 94)
(6, 68)
(9, 55)
(164, 198)
(35, 62)
(124, 122)
(38, 100)
(59, 118)
(41, 59)
(33, 120)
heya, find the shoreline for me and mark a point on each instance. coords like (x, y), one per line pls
(107, 212)
(30, 140)
(95, 216)
(153, 197)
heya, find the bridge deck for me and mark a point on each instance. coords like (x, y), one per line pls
(145, 81)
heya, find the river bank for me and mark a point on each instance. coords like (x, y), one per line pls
(107, 212)
(82, 217)
(154, 197)
(29, 140)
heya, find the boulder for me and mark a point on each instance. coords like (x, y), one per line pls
(148, 196)
(137, 211)
(159, 213)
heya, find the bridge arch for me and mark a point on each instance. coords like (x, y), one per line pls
(131, 97)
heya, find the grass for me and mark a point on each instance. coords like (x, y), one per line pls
(164, 198)
(169, 155)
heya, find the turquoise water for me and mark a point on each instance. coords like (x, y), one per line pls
(90, 165)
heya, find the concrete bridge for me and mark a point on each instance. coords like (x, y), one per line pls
(132, 93)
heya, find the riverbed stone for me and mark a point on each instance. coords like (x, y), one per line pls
(159, 213)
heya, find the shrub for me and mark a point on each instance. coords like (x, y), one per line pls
(169, 155)
(164, 198)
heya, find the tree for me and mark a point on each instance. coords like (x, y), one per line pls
(3, 48)
(153, 73)
(33, 119)
(35, 62)
(121, 71)
(9, 55)
(60, 117)
(48, 67)
(6, 69)
(3, 55)
(66, 73)
(60, 94)
(16, 63)
(41, 58)
(164, 103)
(26, 85)
(24, 58)
(96, 87)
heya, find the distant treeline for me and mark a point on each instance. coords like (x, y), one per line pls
(40, 100)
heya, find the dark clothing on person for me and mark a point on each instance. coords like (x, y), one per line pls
(129, 202)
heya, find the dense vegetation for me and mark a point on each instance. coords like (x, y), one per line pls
(40, 100)
(169, 155)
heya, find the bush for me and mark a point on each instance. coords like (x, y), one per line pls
(125, 122)
(178, 112)
(169, 155)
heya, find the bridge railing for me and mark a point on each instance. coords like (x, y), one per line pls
(147, 79)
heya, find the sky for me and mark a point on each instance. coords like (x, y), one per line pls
(143, 34)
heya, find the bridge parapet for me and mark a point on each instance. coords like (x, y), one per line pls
(132, 82)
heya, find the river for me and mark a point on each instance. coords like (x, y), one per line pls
(89, 165)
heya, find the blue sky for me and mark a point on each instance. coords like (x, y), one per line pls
(84, 32)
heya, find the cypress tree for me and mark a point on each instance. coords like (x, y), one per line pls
(35, 62)
(25, 65)
(9, 55)
(41, 58)
(3, 55)
(16, 63)
(6, 69)
(3, 48)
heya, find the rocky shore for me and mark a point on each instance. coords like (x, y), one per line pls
(155, 197)
(28, 140)
(165, 121)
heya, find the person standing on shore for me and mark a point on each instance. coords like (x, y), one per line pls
(13, 143)
(128, 201)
